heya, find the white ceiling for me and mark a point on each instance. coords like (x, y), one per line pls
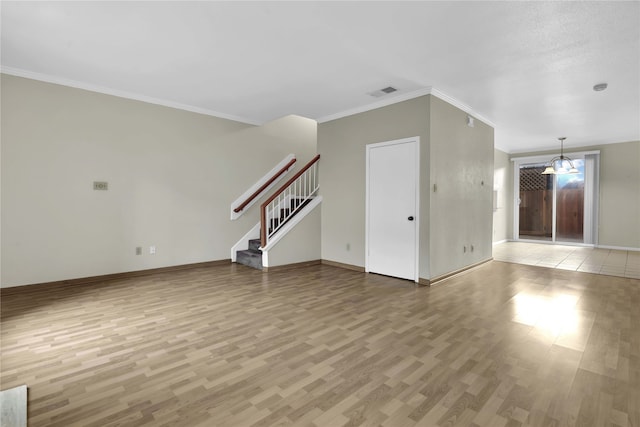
(528, 68)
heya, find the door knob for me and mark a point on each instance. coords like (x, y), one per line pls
(410, 218)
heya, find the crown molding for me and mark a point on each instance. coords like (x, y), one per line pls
(462, 106)
(428, 90)
(121, 94)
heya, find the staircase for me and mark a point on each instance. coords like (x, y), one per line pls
(252, 257)
(277, 210)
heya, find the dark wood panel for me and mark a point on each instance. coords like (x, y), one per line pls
(536, 213)
(570, 214)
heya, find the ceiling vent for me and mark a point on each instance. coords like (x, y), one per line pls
(384, 91)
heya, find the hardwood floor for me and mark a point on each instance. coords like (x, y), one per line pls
(500, 345)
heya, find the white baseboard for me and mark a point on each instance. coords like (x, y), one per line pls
(619, 248)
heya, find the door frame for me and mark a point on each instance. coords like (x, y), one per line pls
(590, 198)
(412, 140)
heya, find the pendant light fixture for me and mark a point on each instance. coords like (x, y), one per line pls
(558, 165)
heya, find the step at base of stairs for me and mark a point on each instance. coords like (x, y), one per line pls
(254, 245)
(250, 258)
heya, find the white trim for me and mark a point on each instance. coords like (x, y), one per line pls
(556, 243)
(258, 184)
(462, 106)
(591, 192)
(591, 188)
(122, 94)
(429, 90)
(596, 201)
(515, 229)
(243, 243)
(288, 226)
(377, 104)
(417, 218)
(575, 244)
(500, 241)
(369, 147)
(619, 248)
(549, 148)
(546, 157)
(554, 210)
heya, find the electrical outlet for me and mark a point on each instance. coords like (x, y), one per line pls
(138, 250)
(152, 250)
(348, 246)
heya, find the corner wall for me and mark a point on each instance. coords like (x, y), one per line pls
(342, 145)
(455, 157)
(619, 218)
(461, 162)
(503, 188)
(172, 175)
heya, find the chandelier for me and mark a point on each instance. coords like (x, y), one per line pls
(558, 165)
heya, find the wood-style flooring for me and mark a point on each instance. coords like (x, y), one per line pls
(500, 345)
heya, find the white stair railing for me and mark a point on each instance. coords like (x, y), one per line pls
(288, 200)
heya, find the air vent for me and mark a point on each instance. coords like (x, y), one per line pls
(382, 92)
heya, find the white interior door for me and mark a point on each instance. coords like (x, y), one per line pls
(392, 208)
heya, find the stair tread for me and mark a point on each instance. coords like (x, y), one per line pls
(250, 252)
(250, 258)
(254, 245)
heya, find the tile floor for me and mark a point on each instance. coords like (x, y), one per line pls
(610, 262)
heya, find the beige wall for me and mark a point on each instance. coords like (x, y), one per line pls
(503, 185)
(458, 158)
(461, 207)
(342, 145)
(619, 201)
(619, 220)
(301, 244)
(172, 175)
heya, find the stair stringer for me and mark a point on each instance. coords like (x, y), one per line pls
(287, 227)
